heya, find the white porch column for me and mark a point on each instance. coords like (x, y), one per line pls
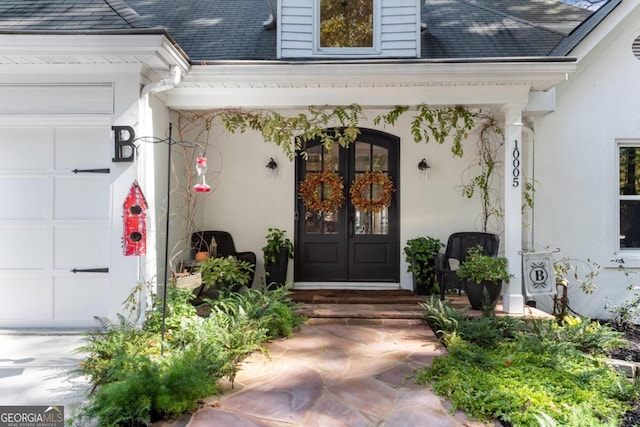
(512, 297)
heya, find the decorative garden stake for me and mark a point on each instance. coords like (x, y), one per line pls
(135, 222)
(201, 187)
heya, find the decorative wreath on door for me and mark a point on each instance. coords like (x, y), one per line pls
(332, 185)
(362, 191)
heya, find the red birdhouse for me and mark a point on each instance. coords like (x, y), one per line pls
(135, 222)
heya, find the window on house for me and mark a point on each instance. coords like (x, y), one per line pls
(346, 23)
(629, 196)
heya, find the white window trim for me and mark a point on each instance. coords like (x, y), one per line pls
(630, 258)
(376, 50)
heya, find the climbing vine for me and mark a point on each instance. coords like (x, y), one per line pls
(336, 125)
(438, 124)
(486, 162)
(339, 125)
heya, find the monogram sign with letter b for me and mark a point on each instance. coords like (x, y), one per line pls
(539, 277)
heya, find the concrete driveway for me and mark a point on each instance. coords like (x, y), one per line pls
(37, 368)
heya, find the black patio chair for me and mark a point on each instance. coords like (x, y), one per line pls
(201, 242)
(457, 247)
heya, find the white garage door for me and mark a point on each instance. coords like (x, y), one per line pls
(54, 221)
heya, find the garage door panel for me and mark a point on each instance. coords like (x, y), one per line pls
(85, 197)
(53, 220)
(24, 248)
(16, 142)
(81, 297)
(24, 197)
(26, 298)
(82, 148)
(81, 247)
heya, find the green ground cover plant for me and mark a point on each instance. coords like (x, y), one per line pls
(135, 383)
(533, 373)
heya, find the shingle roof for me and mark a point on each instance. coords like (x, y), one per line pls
(569, 43)
(550, 14)
(67, 15)
(213, 29)
(210, 30)
(495, 28)
(232, 29)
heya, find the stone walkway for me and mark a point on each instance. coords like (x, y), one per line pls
(336, 372)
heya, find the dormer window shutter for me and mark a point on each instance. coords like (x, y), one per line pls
(349, 29)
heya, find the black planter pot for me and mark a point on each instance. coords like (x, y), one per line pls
(427, 274)
(483, 294)
(276, 273)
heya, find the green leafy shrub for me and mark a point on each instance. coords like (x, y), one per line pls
(589, 337)
(276, 241)
(107, 349)
(183, 380)
(442, 317)
(225, 273)
(135, 385)
(421, 253)
(271, 309)
(178, 308)
(478, 267)
(522, 372)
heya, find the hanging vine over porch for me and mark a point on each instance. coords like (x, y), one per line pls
(438, 124)
(335, 124)
(340, 125)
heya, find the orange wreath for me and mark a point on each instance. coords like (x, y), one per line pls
(332, 197)
(362, 191)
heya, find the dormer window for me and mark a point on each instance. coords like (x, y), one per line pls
(349, 28)
(346, 24)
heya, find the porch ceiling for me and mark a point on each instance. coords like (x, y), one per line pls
(293, 85)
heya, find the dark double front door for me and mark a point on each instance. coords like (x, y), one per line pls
(350, 245)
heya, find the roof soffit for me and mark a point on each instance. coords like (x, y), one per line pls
(154, 50)
(540, 75)
(370, 85)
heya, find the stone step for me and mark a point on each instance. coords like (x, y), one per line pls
(362, 311)
(351, 296)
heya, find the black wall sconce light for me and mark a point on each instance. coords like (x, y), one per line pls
(423, 166)
(272, 164)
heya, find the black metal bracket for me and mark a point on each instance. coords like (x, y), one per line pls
(106, 170)
(90, 270)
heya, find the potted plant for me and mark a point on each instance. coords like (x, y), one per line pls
(421, 253)
(482, 276)
(223, 273)
(277, 252)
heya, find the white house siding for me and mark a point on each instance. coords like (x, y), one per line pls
(249, 198)
(52, 220)
(575, 163)
(399, 29)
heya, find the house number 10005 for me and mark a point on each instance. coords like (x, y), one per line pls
(516, 164)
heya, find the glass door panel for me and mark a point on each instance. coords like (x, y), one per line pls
(370, 157)
(319, 159)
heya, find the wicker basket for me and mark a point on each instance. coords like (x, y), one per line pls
(188, 280)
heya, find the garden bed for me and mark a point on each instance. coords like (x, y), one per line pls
(488, 370)
(631, 354)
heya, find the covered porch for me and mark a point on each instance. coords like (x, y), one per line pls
(514, 91)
